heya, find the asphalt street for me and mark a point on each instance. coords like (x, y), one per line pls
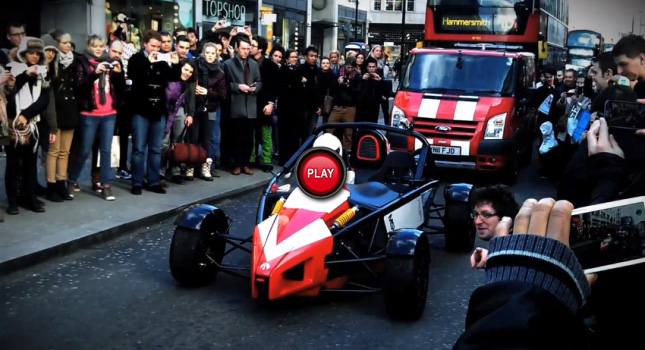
(120, 295)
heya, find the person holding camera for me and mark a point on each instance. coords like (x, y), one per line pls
(373, 91)
(150, 77)
(100, 84)
(346, 95)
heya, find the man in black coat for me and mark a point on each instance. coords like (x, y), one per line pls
(270, 76)
(310, 72)
(150, 78)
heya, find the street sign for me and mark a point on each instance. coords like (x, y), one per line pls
(388, 43)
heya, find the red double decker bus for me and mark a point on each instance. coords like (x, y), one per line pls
(536, 26)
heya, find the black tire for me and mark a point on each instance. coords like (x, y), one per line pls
(459, 227)
(406, 283)
(460, 238)
(189, 264)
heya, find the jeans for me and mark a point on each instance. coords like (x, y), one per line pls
(215, 137)
(146, 133)
(88, 129)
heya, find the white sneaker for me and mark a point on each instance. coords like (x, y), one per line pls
(190, 173)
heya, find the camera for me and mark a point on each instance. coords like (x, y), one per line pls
(345, 80)
(108, 66)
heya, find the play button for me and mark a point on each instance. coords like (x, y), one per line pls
(320, 172)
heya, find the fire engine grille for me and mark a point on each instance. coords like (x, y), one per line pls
(446, 129)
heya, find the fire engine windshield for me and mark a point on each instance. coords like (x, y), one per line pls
(460, 74)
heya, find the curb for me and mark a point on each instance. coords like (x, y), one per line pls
(124, 229)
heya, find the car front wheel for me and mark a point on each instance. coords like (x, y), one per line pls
(406, 283)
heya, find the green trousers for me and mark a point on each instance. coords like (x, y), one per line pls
(263, 134)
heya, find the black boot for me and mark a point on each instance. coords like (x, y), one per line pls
(41, 191)
(13, 206)
(63, 190)
(37, 206)
(52, 193)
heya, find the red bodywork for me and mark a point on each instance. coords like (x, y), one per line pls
(465, 117)
(294, 245)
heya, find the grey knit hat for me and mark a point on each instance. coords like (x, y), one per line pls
(49, 42)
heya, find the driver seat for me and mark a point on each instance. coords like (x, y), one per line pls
(397, 166)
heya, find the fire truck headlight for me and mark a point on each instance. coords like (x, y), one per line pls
(495, 127)
(398, 117)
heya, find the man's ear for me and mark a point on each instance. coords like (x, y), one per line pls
(609, 74)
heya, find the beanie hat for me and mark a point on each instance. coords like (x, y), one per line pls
(49, 42)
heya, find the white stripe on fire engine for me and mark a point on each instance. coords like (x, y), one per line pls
(429, 108)
(465, 110)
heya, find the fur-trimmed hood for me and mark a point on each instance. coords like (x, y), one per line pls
(30, 43)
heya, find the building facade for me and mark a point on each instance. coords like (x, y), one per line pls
(386, 19)
(283, 22)
(337, 22)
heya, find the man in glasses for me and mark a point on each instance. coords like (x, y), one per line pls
(489, 205)
(15, 32)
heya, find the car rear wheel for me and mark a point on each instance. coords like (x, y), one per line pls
(190, 257)
(461, 238)
(406, 283)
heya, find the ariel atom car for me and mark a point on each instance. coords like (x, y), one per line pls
(370, 236)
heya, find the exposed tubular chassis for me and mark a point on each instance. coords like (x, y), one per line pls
(435, 212)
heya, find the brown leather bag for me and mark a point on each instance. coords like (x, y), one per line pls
(188, 153)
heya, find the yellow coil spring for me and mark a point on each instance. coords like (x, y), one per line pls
(344, 218)
(278, 206)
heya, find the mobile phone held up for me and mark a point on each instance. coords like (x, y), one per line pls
(610, 235)
(625, 115)
(623, 119)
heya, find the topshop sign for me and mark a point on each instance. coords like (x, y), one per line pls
(224, 10)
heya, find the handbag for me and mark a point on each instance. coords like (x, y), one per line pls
(20, 134)
(328, 104)
(188, 153)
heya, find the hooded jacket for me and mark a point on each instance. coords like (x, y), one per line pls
(38, 84)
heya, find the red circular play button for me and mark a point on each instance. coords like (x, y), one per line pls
(320, 172)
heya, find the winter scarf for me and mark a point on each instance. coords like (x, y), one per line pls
(208, 70)
(65, 59)
(94, 62)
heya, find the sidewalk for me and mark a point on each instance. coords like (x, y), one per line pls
(29, 238)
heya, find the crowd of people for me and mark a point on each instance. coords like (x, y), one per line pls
(239, 105)
(243, 106)
(536, 295)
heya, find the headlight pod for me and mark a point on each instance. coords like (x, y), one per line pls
(495, 127)
(398, 118)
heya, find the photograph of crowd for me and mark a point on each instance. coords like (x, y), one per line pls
(609, 236)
